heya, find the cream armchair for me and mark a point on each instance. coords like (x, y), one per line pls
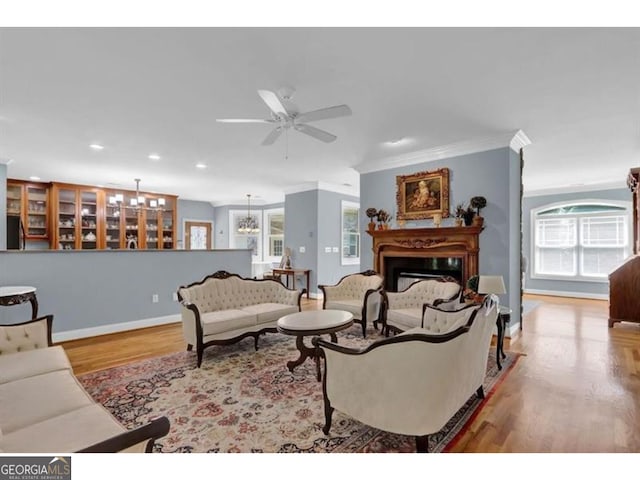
(359, 294)
(404, 310)
(413, 383)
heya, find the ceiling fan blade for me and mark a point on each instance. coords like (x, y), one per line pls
(316, 133)
(273, 136)
(273, 102)
(244, 120)
(324, 113)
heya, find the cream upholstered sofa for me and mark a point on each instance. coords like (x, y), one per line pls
(43, 407)
(404, 310)
(413, 383)
(359, 294)
(224, 308)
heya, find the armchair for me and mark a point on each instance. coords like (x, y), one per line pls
(404, 310)
(413, 383)
(359, 294)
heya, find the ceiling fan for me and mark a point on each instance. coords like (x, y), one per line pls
(286, 115)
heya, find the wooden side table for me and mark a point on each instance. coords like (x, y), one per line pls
(292, 272)
(504, 317)
(17, 295)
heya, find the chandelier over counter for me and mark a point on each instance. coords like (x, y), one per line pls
(248, 224)
(139, 201)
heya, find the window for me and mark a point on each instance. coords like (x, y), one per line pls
(274, 234)
(580, 241)
(252, 241)
(350, 233)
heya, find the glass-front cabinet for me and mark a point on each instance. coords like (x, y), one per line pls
(90, 218)
(31, 202)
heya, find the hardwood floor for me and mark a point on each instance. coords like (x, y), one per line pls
(576, 388)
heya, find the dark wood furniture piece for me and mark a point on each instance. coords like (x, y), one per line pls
(624, 281)
(17, 295)
(292, 272)
(502, 322)
(313, 323)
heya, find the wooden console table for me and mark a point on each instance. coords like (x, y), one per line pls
(292, 272)
(17, 295)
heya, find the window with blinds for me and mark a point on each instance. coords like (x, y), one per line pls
(580, 241)
(350, 233)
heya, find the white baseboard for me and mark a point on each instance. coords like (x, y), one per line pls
(317, 296)
(114, 328)
(557, 293)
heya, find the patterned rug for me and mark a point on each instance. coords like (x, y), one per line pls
(247, 401)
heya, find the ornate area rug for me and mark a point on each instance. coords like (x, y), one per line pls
(247, 401)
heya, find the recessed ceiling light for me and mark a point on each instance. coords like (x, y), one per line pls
(154, 156)
(34, 178)
(96, 146)
(200, 165)
(396, 141)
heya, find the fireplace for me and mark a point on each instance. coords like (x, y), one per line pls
(403, 256)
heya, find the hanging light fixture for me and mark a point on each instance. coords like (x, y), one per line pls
(138, 202)
(248, 224)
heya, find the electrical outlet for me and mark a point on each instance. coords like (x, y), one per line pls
(327, 249)
(174, 296)
(154, 298)
(303, 249)
(335, 249)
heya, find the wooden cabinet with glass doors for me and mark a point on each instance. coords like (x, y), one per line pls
(90, 218)
(30, 200)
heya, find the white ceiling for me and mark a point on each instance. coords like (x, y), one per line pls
(573, 91)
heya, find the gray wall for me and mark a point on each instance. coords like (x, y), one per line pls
(301, 230)
(3, 206)
(493, 174)
(221, 220)
(98, 288)
(193, 210)
(531, 202)
(330, 269)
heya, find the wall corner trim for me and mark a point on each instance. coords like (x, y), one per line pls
(514, 139)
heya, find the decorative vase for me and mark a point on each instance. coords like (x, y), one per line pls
(385, 226)
(478, 221)
(468, 219)
(372, 226)
(380, 226)
(437, 219)
(458, 221)
(400, 223)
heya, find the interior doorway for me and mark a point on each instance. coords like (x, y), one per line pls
(197, 235)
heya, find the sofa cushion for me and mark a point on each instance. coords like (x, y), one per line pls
(409, 317)
(37, 398)
(68, 432)
(34, 362)
(226, 320)
(269, 312)
(351, 306)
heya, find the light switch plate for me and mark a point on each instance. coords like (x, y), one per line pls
(302, 249)
(335, 249)
(327, 249)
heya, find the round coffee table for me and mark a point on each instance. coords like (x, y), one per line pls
(313, 322)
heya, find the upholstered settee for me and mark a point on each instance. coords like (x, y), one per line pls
(224, 308)
(359, 294)
(43, 407)
(414, 382)
(404, 310)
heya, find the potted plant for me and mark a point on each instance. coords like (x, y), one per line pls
(458, 213)
(478, 203)
(383, 219)
(372, 213)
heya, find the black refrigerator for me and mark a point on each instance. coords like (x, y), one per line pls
(15, 233)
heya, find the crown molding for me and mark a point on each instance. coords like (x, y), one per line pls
(592, 187)
(514, 140)
(329, 187)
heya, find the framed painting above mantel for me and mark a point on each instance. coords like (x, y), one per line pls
(423, 194)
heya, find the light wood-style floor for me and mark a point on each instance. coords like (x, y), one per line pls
(576, 389)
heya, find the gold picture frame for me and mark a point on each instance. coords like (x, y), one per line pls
(422, 194)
